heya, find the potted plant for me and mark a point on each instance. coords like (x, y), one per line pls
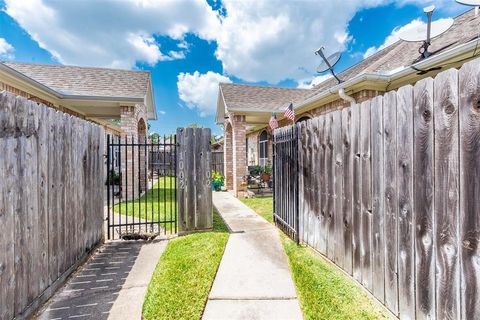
(266, 173)
(217, 180)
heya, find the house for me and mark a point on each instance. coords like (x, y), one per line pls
(96, 94)
(119, 100)
(244, 110)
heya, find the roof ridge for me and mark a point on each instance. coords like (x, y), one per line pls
(263, 86)
(70, 65)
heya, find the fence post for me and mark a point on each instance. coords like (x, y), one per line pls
(194, 180)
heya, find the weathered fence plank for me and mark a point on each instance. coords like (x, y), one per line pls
(446, 194)
(469, 111)
(391, 222)
(193, 173)
(316, 185)
(37, 243)
(338, 191)
(330, 168)
(406, 257)
(309, 189)
(324, 183)
(22, 257)
(319, 192)
(423, 187)
(7, 207)
(203, 179)
(378, 200)
(357, 194)
(347, 188)
(366, 194)
(396, 182)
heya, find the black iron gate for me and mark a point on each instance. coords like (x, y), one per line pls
(141, 187)
(286, 174)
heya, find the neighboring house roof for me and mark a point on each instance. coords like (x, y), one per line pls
(73, 82)
(466, 27)
(245, 98)
(241, 97)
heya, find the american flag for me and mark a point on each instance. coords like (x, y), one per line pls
(289, 112)
(273, 123)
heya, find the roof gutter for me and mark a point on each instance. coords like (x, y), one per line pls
(387, 78)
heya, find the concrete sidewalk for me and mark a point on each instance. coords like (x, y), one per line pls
(253, 280)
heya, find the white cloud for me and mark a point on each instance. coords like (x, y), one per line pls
(393, 37)
(256, 40)
(6, 49)
(112, 33)
(310, 83)
(199, 91)
(275, 40)
(162, 112)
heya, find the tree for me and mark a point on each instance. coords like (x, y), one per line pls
(154, 137)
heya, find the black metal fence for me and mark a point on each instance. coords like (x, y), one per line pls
(285, 172)
(141, 188)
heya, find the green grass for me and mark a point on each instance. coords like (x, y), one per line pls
(324, 291)
(261, 205)
(156, 204)
(184, 275)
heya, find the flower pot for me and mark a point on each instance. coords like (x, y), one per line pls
(265, 177)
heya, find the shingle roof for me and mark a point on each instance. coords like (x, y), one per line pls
(86, 81)
(243, 97)
(466, 27)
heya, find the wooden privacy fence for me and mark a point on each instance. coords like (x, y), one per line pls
(217, 161)
(51, 200)
(194, 179)
(390, 192)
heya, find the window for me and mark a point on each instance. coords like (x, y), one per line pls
(263, 148)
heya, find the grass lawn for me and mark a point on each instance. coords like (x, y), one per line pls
(324, 291)
(261, 205)
(158, 202)
(184, 275)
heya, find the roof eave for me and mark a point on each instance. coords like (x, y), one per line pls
(379, 80)
(221, 107)
(63, 96)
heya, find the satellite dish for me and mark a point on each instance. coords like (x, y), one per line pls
(427, 32)
(472, 3)
(328, 63)
(419, 33)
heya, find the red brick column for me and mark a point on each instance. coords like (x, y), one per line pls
(239, 154)
(228, 156)
(130, 116)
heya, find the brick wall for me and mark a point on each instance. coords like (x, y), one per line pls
(130, 116)
(228, 156)
(21, 93)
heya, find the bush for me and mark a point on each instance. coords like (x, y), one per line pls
(114, 178)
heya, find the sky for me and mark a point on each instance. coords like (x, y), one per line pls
(189, 46)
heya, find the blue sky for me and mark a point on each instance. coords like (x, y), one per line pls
(190, 45)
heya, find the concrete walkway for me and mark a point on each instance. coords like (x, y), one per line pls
(111, 285)
(253, 280)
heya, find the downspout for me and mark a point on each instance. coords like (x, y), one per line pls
(345, 96)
